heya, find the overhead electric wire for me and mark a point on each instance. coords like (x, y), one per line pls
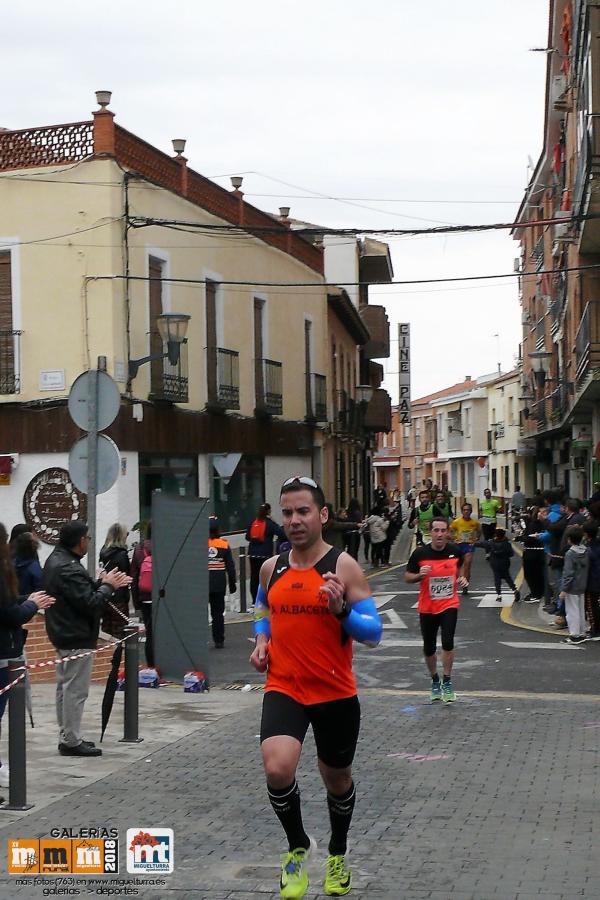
(307, 231)
(66, 234)
(321, 284)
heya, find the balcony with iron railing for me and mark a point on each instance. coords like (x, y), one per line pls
(454, 440)
(268, 387)
(348, 418)
(170, 383)
(540, 334)
(537, 254)
(585, 200)
(223, 378)
(316, 397)
(587, 341)
(378, 412)
(10, 376)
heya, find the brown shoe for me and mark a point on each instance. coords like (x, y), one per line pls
(560, 621)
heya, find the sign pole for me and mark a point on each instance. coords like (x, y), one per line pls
(94, 401)
(92, 468)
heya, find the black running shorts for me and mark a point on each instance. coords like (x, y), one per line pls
(431, 622)
(335, 725)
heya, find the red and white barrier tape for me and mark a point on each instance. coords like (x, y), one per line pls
(55, 662)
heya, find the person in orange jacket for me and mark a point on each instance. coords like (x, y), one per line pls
(221, 569)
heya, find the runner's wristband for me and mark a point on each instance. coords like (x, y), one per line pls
(363, 623)
(262, 624)
(344, 611)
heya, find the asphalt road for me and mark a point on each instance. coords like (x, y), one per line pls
(491, 655)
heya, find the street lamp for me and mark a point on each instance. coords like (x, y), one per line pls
(363, 393)
(172, 328)
(540, 365)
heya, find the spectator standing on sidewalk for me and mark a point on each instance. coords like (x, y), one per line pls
(411, 496)
(15, 611)
(114, 555)
(335, 529)
(394, 518)
(73, 623)
(142, 598)
(221, 571)
(260, 535)
(571, 515)
(355, 515)
(518, 500)
(377, 526)
(574, 583)
(27, 564)
(534, 557)
(592, 591)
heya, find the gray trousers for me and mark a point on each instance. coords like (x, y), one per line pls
(72, 688)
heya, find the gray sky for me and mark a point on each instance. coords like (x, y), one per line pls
(431, 104)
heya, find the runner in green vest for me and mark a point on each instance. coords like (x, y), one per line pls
(488, 511)
(422, 516)
(442, 508)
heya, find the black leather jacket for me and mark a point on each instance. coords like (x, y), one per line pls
(74, 620)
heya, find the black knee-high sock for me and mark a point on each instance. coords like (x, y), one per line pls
(340, 816)
(286, 804)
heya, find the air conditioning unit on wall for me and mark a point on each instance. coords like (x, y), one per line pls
(578, 462)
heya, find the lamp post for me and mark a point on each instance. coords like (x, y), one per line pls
(540, 365)
(363, 394)
(172, 328)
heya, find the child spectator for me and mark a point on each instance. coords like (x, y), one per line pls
(592, 593)
(500, 553)
(574, 583)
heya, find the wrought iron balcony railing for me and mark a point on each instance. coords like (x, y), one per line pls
(316, 397)
(538, 254)
(268, 387)
(587, 341)
(170, 382)
(223, 378)
(10, 377)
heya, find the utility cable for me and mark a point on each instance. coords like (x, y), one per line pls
(322, 284)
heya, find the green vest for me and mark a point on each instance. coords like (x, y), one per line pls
(488, 510)
(424, 517)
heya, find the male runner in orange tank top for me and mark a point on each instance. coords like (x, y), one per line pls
(312, 602)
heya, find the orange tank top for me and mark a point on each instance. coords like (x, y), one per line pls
(310, 654)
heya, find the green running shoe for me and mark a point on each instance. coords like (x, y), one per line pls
(338, 879)
(294, 876)
(436, 690)
(448, 695)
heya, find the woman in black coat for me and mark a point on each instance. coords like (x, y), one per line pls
(14, 612)
(114, 555)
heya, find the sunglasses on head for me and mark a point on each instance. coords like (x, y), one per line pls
(300, 479)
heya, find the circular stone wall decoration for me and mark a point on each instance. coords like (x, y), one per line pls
(51, 499)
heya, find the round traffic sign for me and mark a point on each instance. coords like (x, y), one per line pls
(109, 400)
(107, 468)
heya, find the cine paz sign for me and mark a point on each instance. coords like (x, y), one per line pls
(404, 372)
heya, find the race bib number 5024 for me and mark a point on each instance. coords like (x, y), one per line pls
(441, 587)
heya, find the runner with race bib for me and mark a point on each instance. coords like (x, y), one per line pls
(438, 569)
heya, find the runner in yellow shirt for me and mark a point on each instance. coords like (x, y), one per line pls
(465, 531)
